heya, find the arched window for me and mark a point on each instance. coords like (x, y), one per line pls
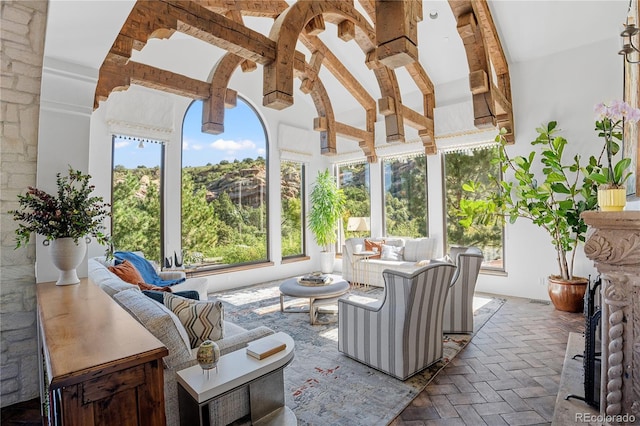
(224, 190)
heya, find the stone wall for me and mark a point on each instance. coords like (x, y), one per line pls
(22, 34)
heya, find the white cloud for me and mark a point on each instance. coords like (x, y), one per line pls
(261, 151)
(231, 146)
(122, 144)
(189, 144)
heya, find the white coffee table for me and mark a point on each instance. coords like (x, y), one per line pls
(196, 389)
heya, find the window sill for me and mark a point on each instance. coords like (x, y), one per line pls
(295, 259)
(203, 272)
(494, 272)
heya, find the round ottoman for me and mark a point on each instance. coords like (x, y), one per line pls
(318, 295)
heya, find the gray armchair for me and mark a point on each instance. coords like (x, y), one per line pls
(402, 334)
(458, 308)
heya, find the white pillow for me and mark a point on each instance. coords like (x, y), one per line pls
(391, 252)
(416, 249)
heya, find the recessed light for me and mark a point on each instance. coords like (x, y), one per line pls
(433, 14)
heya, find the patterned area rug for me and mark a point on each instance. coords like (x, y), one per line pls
(324, 387)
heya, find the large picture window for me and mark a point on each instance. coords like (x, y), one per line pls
(136, 199)
(224, 190)
(459, 168)
(292, 208)
(405, 196)
(353, 179)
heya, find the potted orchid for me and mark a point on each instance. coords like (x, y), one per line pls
(612, 176)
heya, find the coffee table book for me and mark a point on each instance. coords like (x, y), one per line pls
(265, 347)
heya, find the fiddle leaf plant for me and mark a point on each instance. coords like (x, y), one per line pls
(553, 203)
(328, 204)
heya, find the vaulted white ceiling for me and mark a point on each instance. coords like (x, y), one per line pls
(81, 32)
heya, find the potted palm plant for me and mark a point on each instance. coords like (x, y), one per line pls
(328, 204)
(66, 220)
(554, 204)
(612, 177)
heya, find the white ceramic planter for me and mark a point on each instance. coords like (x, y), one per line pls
(66, 255)
(326, 262)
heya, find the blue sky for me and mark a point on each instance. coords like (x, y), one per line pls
(243, 138)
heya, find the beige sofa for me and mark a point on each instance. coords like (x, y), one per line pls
(163, 324)
(357, 269)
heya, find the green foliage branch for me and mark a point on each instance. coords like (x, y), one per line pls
(328, 204)
(72, 213)
(555, 205)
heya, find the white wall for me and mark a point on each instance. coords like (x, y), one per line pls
(65, 111)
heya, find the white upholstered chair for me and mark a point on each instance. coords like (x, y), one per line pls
(402, 334)
(458, 308)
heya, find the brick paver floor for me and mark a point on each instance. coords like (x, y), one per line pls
(507, 375)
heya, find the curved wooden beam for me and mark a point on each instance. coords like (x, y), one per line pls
(390, 103)
(326, 121)
(491, 103)
(213, 107)
(278, 75)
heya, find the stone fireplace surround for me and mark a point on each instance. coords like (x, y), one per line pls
(613, 243)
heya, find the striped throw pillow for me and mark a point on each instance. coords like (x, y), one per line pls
(201, 319)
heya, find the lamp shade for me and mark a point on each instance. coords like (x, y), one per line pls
(358, 224)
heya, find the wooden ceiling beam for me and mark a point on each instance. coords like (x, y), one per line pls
(340, 72)
(369, 7)
(364, 138)
(213, 107)
(326, 119)
(258, 8)
(162, 17)
(115, 77)
(278, 75)
(498, 60)
(246, 65)
(491, 101)
(397, 31)
(424, 83)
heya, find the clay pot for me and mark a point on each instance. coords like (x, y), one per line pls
(567, 296)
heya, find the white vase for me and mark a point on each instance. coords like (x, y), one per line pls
(66, 255)
(326, 262)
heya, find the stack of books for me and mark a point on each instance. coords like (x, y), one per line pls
(315, 278)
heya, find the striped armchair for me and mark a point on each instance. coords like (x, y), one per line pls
(402, 334)
(458, 309)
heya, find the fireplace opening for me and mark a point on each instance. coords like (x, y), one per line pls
(591, 356)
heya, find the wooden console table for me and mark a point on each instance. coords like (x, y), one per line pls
(102, 366)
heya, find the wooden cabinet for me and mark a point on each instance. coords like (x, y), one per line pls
(102, 366)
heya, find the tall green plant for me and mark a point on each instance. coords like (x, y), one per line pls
(554, 205)
(328, 204)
